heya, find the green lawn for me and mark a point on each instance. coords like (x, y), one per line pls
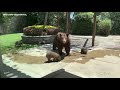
(7, 42)
(9, 39)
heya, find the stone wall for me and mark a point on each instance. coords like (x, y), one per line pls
(37, 39)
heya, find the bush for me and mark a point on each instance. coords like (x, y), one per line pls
(82, 24)
(14, 24)
(104, 27)
(104, 15)
(115, 17)
(32, 31)
(37, 30)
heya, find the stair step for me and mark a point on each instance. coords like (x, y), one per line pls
(8, 75)
(14, 77)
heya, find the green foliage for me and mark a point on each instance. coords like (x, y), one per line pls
(98, 13)
(115, 17)
(12, 23)
(7, 43)
(104, 15)
(1, 23)
(31, 18)
(6, 40)
(41, 27)
(82, 24)
(20, 24)
(62, 21)
(104, 27)
(15, 24)
(1, 18)
(39, 17)
(57, 19)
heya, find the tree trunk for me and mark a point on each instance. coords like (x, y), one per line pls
(45, 22)
(58, 20)
(68, 22)
(94, 30)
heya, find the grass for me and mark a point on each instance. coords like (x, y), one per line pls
(7, 43)
(9, 39)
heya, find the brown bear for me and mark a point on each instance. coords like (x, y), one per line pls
(62, 40)
(53, 55)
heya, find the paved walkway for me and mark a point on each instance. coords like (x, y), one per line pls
(106, 67)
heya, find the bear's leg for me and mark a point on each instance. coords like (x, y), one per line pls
(67, 49)
(60, 50)
(49, 60)
(55, 60)
(54, 45)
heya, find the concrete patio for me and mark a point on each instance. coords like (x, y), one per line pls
(105, 67)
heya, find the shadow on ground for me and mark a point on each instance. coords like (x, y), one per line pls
(9, 72)
(61, 74)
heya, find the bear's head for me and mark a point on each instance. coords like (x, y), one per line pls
(64, 37)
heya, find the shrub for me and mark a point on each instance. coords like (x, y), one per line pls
(104, 15)
(31, 31)
(82, 24)
(115, 17)
(37, 30)
(104, 27)
(41, 26)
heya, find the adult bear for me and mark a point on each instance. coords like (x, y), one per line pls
(62, 40)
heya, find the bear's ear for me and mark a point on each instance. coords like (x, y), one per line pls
(60, 35)
(67, 34)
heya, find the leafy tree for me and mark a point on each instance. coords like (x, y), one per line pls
(104, 15)
(31, 18)
(68, 22)
(94, 29)
(82, 24)
(115, 17)
(1, 23)
(45, 21)
(1, 18)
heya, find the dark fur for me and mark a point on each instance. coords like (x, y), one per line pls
(84, 49)
(62, 40)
